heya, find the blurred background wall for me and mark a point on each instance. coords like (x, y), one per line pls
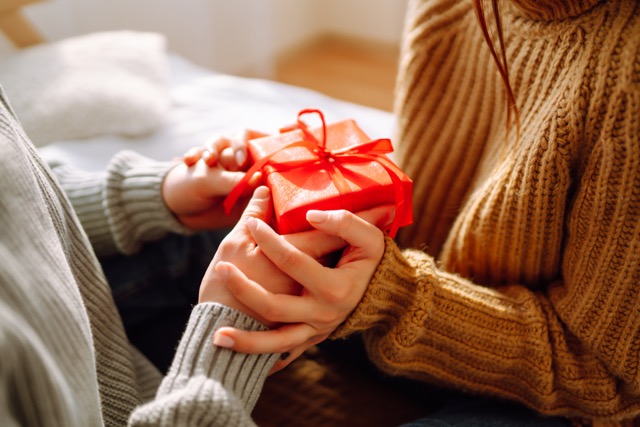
(232, 36)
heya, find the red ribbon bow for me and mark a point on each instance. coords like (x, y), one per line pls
(331, 161)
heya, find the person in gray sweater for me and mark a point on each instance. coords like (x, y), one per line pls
(64, 356)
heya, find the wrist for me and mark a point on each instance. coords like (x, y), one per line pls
(392, 289)
(233, 303)
(197, 355)
(214, 291)
(171, 198)
(134, 201)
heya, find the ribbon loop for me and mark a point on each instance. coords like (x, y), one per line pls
(305, 129)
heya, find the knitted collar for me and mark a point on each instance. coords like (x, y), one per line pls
(553, 10)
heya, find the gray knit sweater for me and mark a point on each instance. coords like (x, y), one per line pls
(64, 356)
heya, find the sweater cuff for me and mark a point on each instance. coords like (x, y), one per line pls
(134, 202)
(85, 191)
(392, 290)
(242, 374)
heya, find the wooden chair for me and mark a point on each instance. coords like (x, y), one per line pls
(16, 26)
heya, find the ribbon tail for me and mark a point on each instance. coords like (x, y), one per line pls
(340, 182)
(240, 187)
(400, 200)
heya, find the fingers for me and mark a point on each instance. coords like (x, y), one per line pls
(295, 263)
(318, 244)
(288, 357)
(228, 151)
(280, 340)
(224, 182)
(192, 156)
(380, 216)
(239, 147)
(234, 156)
(227, 159)
(209, 182)
(315, 243)
(264, 343)
(353, 229)
(215, 149)
(270, 308)
(258, 206)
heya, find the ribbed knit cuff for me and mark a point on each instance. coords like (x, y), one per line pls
(85, 191)
(391, 291)
(242, 374)
(134, 202)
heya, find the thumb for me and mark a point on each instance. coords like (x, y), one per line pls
(380, 216)
(226, 181)
(346, 225)
(259, 206)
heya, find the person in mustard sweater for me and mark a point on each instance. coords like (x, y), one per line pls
(520, 277)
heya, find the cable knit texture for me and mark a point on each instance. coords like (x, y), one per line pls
(65, 358)
(524, 277)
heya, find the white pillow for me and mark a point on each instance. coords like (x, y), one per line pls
(91, 85)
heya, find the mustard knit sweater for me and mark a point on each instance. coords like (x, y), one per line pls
(523, 277)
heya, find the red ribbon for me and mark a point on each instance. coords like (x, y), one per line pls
(331, 161)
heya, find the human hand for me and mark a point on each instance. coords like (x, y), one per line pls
(228, 151)
(195, 195)
(328, 296)
(240, 248)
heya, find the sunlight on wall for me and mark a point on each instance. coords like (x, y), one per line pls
(235, 37)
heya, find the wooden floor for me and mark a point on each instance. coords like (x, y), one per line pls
(355, 71)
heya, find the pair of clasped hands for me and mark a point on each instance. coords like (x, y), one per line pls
(281, 280)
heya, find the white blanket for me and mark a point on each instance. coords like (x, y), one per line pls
(204, 103)
(94, 84)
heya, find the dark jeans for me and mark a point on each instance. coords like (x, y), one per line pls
(431, 405)
(156, 288)
(471, 411)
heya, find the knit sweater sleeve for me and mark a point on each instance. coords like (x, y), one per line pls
(571, 348)
(121, 208)
(207, 385)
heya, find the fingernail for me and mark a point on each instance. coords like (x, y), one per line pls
(211, 160)
(240, 157)
(317, 216)
(261, 192)
(285, 355)
(252, 223)
(223, 341)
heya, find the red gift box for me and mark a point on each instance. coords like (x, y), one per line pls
(334, 166)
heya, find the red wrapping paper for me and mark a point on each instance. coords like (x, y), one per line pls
(334, 166)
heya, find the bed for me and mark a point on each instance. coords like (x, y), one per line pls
(84, 98)
(204, 103)
(174, 106)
